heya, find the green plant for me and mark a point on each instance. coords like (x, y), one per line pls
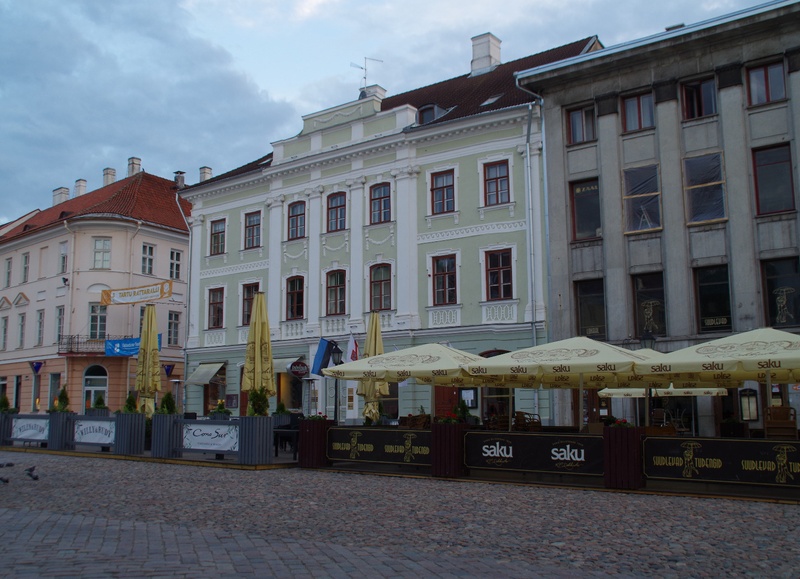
(421, 409)
(62, 402)
(130, 404)
(167, 404)
(221, 408)
(608, 420)
(100, 402)
(462, 411)
(318, 416)
(258, 402)
(281, 409)
(5, 405)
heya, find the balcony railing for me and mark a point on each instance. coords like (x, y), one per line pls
(85, 344)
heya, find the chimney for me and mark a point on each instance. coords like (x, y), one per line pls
(60, 195)
(134, 166)
(485, 53)
(109, 176)
(80, 187)
(205, 174)
(180, 180)
(375, 90)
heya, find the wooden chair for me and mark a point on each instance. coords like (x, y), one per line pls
(527, 422)
(780, 422)
(499, 422)
(658, 417)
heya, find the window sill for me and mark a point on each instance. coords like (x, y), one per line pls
(645, 233)
(638, 132)
(759, 106)
(710, 225)
(454, 215)
(714, 117)
(589, 242)
(578, 144)
(788, 215)
(510, 207)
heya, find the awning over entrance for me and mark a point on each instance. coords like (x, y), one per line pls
(281, 365)
(204, 373)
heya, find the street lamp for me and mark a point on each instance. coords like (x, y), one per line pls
(336, 356)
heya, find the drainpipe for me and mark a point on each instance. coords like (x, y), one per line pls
(68, 310)
(188, 303)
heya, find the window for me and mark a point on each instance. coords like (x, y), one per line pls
(216, 298)
(495, 183)
(297, 220)
(21, 333)
(249, 291)
(175, 258)
(705, 187)
(97, 322)
(380, 287)
(748, 404)
(26, 266)
(782, 291)
(39, 327)
(642, 200)
(59, 322)
(218, 237)
(766, 83)
(335, 290)
(699, 98)
(648, 294)
(638, 112)
(581, 125)
(380, 203)
(7, 282)
(444, 280)
(499, 281)
(426, 114)
(252, 230)
(4, 333)
(336, 212)
(773, 177)
(443, 192)
(591, 308)
(173, 328)
(102, 253)
(294, 298)
(585, 210)
(62, 257)
(713, 299)
(148, 255)
(141, 319)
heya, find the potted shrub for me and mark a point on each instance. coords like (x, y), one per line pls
(220, 412)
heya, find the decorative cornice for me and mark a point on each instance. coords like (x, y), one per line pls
(471, 231)
(234, 269)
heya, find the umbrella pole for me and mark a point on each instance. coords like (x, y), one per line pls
(510, 410)
(580, 402)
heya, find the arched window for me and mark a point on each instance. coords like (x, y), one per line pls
(337, 212)
(380, 287)
(297, 220)
(95, 384)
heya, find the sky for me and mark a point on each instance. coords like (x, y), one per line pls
(182, 84)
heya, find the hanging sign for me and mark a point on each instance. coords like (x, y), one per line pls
(145, 293)
(126, 347)
(298, 369)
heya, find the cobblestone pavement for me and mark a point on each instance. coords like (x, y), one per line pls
(94, 517)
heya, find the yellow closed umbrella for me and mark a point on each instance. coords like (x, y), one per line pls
(148, 367)
(372, 390)
(258, 373)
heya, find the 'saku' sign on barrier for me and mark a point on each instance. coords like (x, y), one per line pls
(565, 454)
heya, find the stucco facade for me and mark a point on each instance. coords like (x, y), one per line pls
(408, 206)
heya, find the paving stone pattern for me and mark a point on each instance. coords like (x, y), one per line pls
(93, 517)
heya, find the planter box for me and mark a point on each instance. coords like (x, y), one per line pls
(219, 416)
(447, 450)
(312, 444)
(130, 434)
(5, 428)
(622, 448)
(255, 439)
(61, 435)
(97, 412)
(167, 436)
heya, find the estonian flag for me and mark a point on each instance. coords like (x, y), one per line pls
(322, 359)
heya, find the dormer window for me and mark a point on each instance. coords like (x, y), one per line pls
(491, 100)
(429, 113)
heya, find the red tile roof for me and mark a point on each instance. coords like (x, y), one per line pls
(463, 94)
(141, 197)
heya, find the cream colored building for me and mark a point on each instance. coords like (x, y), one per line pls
(55, 264)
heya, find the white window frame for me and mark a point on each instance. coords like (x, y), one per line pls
(102, 252)
(173, 328)
(63, 257)
(60, 319)
(224, 289)
(490, 160)
(26, 267)
(148, 258)
(4, 333)
(454, 214)
(9, 268)
(21, 329)
(209, 221)
(429, 267)
(514, 267)
(39, 327)
(240, 291)
(175, 263)
(243, 220)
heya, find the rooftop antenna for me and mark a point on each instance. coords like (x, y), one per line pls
(364, 68)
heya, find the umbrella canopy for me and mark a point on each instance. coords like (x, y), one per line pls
(660, 392)
(765, 354)
(431, 363)
(372, 390)
(148, 367)
(258, 372)
(565, 364)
